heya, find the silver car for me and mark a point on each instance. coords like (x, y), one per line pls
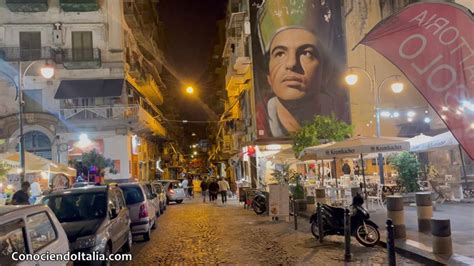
(152, 196)
(142, 210)
(30, 229)
(174, 190)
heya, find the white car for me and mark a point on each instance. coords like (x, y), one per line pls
(174, 190)
(30, 230)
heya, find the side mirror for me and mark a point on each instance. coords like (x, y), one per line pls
(113, 213)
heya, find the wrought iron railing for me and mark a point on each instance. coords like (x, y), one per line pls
(20, 54)
(99, 112)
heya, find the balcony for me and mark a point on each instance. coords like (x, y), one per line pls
(99, 112)
(78, 58)
(131, 115)
(27, 5)
(79, 5)
(15, 54)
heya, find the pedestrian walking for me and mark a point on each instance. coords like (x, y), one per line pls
(21, 197)
(185, 183)
(213, 190)
(223, 188)
(190, 187)
(204, 188)
(233, 187)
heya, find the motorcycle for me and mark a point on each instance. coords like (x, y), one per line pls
(259, 203)
(365, 231)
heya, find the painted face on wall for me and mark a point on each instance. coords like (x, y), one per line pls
(293, 64)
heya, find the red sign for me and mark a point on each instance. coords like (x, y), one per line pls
(433, 45)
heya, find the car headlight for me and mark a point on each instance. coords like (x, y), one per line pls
(85, 242)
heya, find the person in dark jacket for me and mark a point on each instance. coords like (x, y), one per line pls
(21, 197)
(204, 188)
(213, 190)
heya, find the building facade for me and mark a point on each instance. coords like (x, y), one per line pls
(106, 91)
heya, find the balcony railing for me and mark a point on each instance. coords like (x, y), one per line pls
(19, 54)
(27, 5)
(78, 58)
(79, 5)
(99, 112)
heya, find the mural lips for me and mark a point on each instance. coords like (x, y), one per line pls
(433, 45)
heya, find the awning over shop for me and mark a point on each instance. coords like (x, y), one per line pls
(70, 89)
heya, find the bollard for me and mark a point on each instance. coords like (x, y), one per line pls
(441, 231)
(295, 214)
(355, 191)
(396, 214)
(390, 244)
(347, 235)
(320, 195)
(320, 223)
(424, 210)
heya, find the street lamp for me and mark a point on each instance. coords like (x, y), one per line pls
(397, 87)
(47, 71)
(189, 90)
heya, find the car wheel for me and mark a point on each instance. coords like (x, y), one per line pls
(127, 247)
(147, 235)
(107, 252)
(154, 225)
(179, 201)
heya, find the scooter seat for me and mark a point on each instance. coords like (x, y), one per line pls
(335, 211)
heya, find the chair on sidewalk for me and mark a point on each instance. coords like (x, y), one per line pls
(377, 197)
(442, 193)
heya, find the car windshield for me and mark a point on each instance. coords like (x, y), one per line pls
(132, 194)
(78, 206)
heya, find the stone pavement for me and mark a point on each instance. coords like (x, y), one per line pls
(197, 233)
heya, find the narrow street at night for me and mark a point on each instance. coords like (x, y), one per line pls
(194, 233)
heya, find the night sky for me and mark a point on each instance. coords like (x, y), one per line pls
(190, 32)
(190, 29)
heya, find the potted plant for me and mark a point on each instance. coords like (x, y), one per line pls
(408, 168)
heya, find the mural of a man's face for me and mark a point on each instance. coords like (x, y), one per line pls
(293, 64)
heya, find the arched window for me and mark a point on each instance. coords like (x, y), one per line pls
(37, 143)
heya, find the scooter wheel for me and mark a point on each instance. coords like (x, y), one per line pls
(258, 210)
(315, 229)
(369, 238)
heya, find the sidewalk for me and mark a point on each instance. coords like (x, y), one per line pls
(420, 244)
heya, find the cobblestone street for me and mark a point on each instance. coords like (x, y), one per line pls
(197, 233)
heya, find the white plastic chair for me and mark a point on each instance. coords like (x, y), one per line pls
(378, 196)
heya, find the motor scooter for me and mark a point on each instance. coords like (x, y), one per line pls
(365, 231)
(259, 203)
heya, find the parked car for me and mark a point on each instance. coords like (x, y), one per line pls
(152, 196)
(142, 211)
(45, 234)
(96, 219)
(83, 184)
(160, 191)
(174, 190)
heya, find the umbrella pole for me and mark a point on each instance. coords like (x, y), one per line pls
(463, 165)
(335, 171)
(363, 178)
(322, 174)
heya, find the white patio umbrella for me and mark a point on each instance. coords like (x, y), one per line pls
(359, 146)
(415, 143)
(284, 156)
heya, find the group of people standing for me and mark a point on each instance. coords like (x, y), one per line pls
(213, 187)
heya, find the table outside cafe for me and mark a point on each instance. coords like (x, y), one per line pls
(340, 188)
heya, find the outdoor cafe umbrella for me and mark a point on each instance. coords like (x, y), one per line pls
(284, 156)
(358, 146)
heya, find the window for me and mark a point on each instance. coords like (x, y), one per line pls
(120, 199)
(112, 202)
(40, 230)
(30, 46)
(132, 194)
(78, 207)
(33, 101)
(12, 239)
(82, 46)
